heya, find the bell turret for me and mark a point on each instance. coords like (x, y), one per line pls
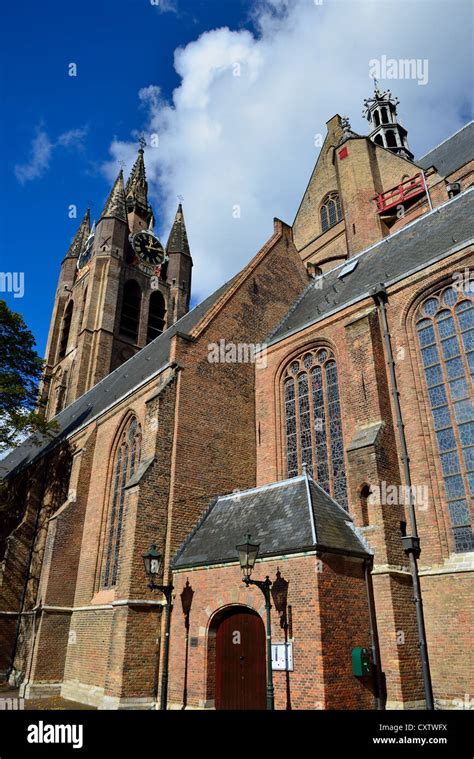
(385, 130)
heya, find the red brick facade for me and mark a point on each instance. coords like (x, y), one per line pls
(209, 428)
(329, 616)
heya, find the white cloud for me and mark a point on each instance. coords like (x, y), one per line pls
(73, 138)
(247, 140)
(42, 149)
(166, 6)
(40, 157)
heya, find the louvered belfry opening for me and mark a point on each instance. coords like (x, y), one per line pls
(156, 316)
(65, 330)
(130, 315)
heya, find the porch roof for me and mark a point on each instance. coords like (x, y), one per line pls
(285, 517)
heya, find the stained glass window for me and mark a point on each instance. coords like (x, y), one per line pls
(330, 211)
(127, 459)
(445, 327)
(313, 421)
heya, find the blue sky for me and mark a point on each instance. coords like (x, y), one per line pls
(225, 139)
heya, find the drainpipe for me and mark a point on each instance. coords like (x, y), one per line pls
(423, 179)
(411, 543)
(374, 637)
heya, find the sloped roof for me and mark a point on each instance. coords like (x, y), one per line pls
(115, 204)
(283, 517)
(178, 239)
(136, 370)
(137, 186)
(80, 238)
(451, 154)
(414, 247)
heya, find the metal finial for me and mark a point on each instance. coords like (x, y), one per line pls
(142, 142)
(345, 123)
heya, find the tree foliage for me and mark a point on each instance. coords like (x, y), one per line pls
(20, 372)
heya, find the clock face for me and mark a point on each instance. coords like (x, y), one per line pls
(148, 247)
(86, 254)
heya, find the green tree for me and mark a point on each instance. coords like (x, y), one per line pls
(20, 372)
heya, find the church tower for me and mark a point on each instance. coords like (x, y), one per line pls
(385, 129)
(118, 290)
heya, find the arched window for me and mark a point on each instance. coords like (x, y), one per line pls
(313, 421)
(330, 211)
(156, 316)
(126, 461)
(378, 139)
(131, 303)
(376, 118)
(61, 392)
(384, 115)
(84, 301)
(65, 329)
(445, 327)
(391, 139)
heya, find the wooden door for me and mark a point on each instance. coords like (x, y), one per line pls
(240, 661)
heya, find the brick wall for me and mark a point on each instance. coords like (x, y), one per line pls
(328, 617)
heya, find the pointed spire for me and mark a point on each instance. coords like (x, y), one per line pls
(136, 190)
(80, 237)
(178, 239)
(115, 205)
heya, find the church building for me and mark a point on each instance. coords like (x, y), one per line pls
(314, 414)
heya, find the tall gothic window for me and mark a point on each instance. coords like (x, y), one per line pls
(330, 211)
(65, 329)
(127, 459)
(131, 304)
(313, 421)
(156, 316)
(445, 326)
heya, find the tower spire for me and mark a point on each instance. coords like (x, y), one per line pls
(136, 190)
(385, 129)
(178, 239)
(116, 205)
(80, 237)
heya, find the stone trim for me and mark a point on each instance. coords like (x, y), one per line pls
(403, 705)
(262, 559)
(39, 690)
(390, 569)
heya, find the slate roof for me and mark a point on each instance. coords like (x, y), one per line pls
(116, 205)
(281, 517)
(414, 247)
(453, 153)
(178, 239)
(137, 369)
(80, 238)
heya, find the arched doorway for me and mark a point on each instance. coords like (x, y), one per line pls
(238, 645)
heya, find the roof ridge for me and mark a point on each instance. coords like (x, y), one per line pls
(240, 278)
(347, 516)
(194, 530)
(259, 488)
(292, 308)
